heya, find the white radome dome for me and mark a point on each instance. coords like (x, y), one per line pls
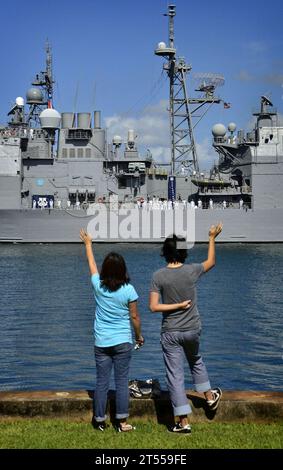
(50, 118)
(161, 45)
(218, 130)
(117, 140)
(20, 101)
(232, 127)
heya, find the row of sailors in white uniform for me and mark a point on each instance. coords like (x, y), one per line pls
(155, 204)
(151, 204)
(43, 204)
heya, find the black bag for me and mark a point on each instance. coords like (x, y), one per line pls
(149, 388)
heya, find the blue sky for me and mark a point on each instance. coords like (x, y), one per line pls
(103, 55)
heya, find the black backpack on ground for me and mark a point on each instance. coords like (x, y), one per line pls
(149, 388)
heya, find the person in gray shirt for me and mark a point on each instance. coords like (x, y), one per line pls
(181, 326)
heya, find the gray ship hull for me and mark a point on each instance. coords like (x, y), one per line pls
(58, 226)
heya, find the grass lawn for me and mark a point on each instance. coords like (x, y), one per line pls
(40, 433)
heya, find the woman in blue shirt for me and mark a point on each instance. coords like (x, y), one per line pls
(116, 309)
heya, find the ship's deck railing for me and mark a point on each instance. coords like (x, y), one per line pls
(13, 132)
(182, 205)
(6, 133)
(267, 110)
(227, 190)
(241, 138)
(247, 139)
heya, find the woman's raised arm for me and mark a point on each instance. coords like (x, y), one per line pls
(86, 238)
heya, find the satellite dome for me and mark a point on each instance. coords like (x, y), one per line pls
(50, 119)
(218, 130)
(20, 101)
(117, 140)
(232, 127)
(34, 96)
(161, 45)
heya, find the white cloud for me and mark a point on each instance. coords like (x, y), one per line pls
(151, 128)
(153, 133)
(161, 154)
(207, 156)
(244, 76)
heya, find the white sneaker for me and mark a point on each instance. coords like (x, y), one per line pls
(178, 428)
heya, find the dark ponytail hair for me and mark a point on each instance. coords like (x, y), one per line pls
(114, 272)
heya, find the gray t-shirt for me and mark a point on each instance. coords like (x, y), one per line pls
(176, 285)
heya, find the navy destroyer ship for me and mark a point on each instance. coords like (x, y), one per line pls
(58, 172)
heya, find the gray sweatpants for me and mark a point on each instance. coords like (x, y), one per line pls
(176, 345)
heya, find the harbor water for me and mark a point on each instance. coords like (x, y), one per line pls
(47, 312)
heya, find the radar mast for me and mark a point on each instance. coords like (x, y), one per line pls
(41, 95)
(44, 79)
(182, 108)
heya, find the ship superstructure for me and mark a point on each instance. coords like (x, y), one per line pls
(52, 160)
(250, 168)
(58, 170)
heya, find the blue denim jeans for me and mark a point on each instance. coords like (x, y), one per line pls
(176, 345)
(118, 356)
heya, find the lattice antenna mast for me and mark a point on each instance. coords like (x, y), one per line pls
(49, 73)
(183, 145)
(44, 79)
(41, 97)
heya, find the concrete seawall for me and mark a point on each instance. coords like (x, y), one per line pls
(238, 406)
